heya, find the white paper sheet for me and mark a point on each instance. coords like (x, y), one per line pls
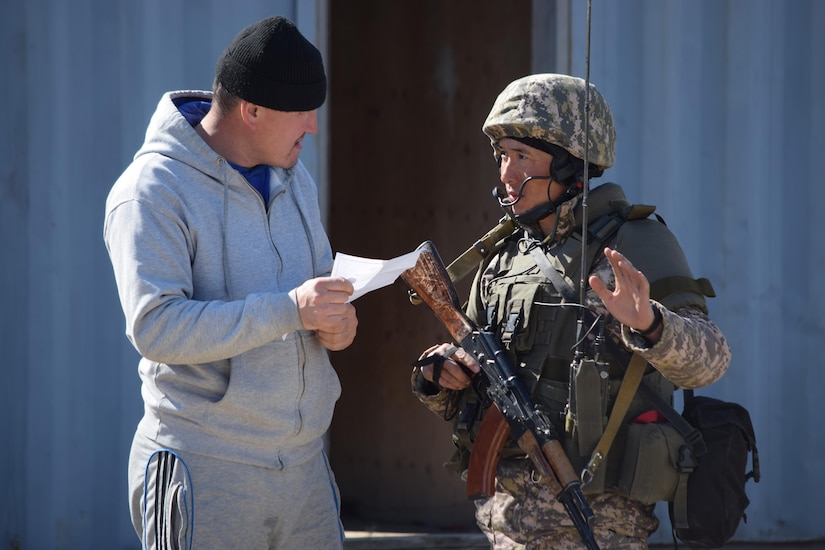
(367, 274)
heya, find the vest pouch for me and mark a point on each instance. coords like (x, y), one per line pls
(524, 313)
(649, 473)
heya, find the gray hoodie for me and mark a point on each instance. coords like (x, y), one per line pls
(206, 278)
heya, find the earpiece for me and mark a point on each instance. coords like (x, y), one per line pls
(563, 170)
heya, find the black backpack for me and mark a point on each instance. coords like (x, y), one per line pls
(720, 436)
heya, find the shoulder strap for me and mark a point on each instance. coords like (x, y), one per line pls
(601, 230)
(547, 269)
(630, 383)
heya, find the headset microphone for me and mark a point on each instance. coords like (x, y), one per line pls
(538, 213)
(501, 196)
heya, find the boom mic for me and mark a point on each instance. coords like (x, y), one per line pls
(500, 195)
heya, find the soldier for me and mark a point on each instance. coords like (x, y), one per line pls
(538, 133)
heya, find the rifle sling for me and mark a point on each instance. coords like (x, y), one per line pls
(480, 250)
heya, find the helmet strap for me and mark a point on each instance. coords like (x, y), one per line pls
(563, 170)
(529, 220)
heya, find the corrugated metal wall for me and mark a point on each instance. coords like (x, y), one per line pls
(719, 112)
(719, 109)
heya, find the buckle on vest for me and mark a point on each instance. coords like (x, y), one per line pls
(686, 462)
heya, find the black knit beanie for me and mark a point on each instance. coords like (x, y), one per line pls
(271, 64)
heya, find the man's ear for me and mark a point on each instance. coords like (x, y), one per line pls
(249, 113)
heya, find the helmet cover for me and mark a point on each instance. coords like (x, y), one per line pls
(550, 107)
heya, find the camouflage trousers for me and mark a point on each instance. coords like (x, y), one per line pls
(524, 515)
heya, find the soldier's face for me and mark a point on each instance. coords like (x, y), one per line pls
(519, 162)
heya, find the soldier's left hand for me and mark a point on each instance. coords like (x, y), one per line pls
(457, 369)
(629, 301)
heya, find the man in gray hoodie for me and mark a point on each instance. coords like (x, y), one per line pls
(222, 267)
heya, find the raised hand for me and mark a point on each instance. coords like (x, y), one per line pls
(629, 301)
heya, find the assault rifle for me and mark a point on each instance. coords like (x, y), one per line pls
(513, 412)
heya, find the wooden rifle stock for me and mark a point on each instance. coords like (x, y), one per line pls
(475, 254)
(429, 280)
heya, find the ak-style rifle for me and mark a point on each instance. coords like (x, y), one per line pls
(513, 411)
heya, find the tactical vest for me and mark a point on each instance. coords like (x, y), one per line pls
(523, 308)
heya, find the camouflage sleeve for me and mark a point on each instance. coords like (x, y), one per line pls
(437, 400)
(692, 352)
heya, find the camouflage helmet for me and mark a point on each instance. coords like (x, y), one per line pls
(550, 107)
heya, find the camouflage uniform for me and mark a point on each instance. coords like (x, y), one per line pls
(692, 352)
(525, 514)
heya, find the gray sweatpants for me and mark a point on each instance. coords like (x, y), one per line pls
(192, 501)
